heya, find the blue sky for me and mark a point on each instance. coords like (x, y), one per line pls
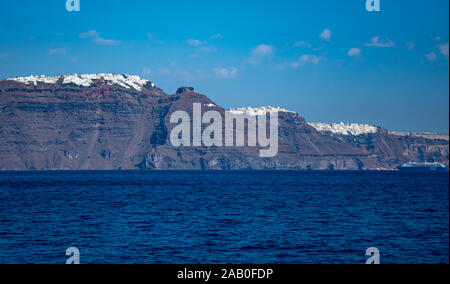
(329, 60)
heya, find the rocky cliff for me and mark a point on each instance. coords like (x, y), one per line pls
(105, 121)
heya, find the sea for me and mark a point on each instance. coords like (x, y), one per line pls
(223, 217)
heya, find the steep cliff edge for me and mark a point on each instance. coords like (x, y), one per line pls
(108, 121)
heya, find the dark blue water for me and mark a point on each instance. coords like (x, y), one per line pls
(224, 217)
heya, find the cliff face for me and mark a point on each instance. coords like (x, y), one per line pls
(107, 124)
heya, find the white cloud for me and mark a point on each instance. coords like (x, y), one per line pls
(89, 34)
(443, 48)
(261, 53)
(304, 59)
(302, 44)
(325, 35)
(216, 36)
(175, 71)
(207, 49)
(167, 70)
(146, 72)
(102, 41)
(431, 56)
(57, 51)
(194, 42)
(379, 42)
(164, 71)
(201, 46)
(97, 39)
(410, 45)
(225, 73)
(354, 52)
